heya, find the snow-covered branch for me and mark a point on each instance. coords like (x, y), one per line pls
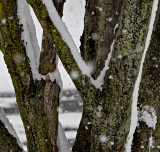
(29, 37)
(66, 36)
(9, 126)
(134, 113)
(62, 142)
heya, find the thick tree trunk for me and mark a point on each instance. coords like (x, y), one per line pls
(110, 118)
(147, 138)
(110, 131)
(101, 19)
(37, 100)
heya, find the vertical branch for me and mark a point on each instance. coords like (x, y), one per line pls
(148, 100)
(48, 64)
(101, 18)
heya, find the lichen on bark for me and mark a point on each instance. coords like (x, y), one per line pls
(149, 94)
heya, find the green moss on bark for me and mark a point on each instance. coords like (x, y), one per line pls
(149, 94)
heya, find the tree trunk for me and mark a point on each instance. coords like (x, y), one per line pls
(146, 137)
(37, 99)
(109, 109)
(124, 66)
(95, 46)
(48, 64)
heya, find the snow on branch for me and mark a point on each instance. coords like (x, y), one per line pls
(67, 38)
(100, 80)
(9, 126)
(62, 142)
(29, 37)
(134, 113)
(148, 115)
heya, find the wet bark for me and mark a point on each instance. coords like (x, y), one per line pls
(149, 96)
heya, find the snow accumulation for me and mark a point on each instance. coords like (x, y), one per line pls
(62, 142)
(61, 27)
(9, 126)
(31, 43)
(134, 113)
(100, 80)
(57, 21)
(151, 143)
(29, 37)
(148, 115)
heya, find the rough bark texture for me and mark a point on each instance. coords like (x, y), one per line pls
(101, 18)
(109, 110)
(29, 93)
(60, 46)
(149, 95)
(7, 141)
(52, 89)
(124, 67)
(110, 118)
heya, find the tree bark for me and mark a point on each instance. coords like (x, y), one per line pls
(36, 100)
(123, 67)
(149, 96)
(48, 64)
(109, 110)
(8, 139)
(101, 18)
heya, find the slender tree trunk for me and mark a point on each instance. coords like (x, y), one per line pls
(48, 64)
(146, 137)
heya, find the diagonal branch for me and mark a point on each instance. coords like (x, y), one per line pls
(8, 137)
(77, 69)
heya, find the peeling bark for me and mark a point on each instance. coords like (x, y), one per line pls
(52, 89)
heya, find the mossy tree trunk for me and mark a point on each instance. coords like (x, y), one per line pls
(146, 137)
(100, 21)
(109, 109)
(37, 100)
(106, 117)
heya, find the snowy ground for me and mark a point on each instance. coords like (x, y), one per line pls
(68, 117)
